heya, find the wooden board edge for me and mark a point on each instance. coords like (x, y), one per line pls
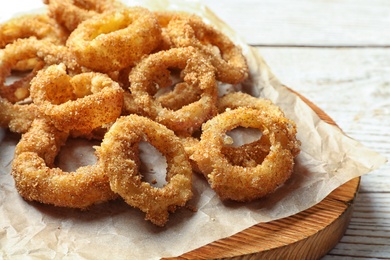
(250, 242)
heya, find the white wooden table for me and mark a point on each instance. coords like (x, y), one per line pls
(337, 54)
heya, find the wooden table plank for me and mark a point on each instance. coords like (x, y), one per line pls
(307, 22)
(352, 86)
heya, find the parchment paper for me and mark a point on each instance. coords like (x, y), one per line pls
(114, 230)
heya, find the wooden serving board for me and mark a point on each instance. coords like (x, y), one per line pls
(309, 234)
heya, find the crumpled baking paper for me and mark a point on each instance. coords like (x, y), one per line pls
(328, 159)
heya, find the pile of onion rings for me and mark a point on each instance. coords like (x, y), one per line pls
(124, 75)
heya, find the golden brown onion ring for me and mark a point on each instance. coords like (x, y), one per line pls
(37, 179)
(224, 54)
(248, 154)
(240, 99)
(115, 40)
(70, 13)
(10, 57)
(46, 53)
(153, 73)
(237, 182)
(163, 18)
(83, 102)
(39, 25)
(119, 156)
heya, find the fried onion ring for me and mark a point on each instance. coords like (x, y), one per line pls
(115, 40)
(18, 117)
(37, 179)
(163, 18)
(45, 51)
(82, 102)
(248, 154)
(227, 57)
(240, 99)
(118, 154)
(70, 13)
(153, 73)
(240, 183)
(39, 25)
(20, 50)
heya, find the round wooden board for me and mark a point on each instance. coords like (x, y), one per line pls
(309, 234)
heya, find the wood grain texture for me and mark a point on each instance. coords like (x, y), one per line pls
(307, 235)
(335, 53)
(353, 86)
(307, 22)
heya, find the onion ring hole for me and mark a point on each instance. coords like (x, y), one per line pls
(153, 165)
(240, 136)
(14, 88)
(175, 79)
(76, 153)
(178, 94)
(245, 146)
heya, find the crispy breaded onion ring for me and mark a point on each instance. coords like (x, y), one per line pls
(227, 57)
(82, 102)
(153, 73)
(37, 179)
(248, 154)
(39, 25)
(163, 18)
(234, 100)
(239, 99)
(241, 183)
(10, 57)
(115, 40)
(70, 13)
(119, 156)
(46, 53)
